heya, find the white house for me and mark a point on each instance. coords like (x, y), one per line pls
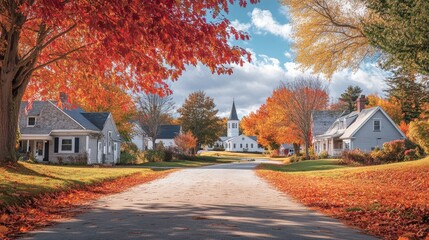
(234, 142)
(364, 129)
(166, 135)
(56, 135)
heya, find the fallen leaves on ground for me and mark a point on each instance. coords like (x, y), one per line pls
(390, 203)
(41, 210)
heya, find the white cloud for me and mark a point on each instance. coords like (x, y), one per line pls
(251, 84)
(287, 54)
(241, 26)
(265, 23)
(284, 11)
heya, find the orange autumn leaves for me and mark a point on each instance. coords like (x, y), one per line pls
(280, 120)
(41, 210)
(386, 202)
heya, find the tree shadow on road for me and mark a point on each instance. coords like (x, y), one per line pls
(142, 220)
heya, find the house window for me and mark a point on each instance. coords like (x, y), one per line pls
(31, 121)
(241, 145)
(377, 126)
(251, 145)
(247, 145)
(66, 145)
(234, 145)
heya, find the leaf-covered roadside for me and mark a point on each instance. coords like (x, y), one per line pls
(41, 210)
(387, 202)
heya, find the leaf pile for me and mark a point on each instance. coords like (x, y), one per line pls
(390, 203)
(41, 210)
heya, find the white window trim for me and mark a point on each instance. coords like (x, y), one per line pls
(35, 120)
(60, 147)
(373, 125)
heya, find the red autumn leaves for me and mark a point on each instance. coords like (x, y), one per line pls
(385, 202)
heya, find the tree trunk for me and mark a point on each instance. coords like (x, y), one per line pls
(9, 111)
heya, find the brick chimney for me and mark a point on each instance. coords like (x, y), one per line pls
(360, 103)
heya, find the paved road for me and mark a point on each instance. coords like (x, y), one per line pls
(225, 201)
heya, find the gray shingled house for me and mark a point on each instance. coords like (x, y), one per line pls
(364, 129)
(56, 135)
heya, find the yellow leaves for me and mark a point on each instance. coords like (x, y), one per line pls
(329, 37)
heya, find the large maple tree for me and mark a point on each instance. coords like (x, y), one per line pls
(48, 46)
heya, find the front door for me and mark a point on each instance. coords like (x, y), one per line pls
(46, 156)
(39, 150)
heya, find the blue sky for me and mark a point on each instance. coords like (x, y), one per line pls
(271, 33)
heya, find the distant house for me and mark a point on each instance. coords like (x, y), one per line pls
(56, 135)
(166, 135)
(286, 149)
(364, 129)
(234, 142)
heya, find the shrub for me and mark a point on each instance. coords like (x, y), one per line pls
(296, 158)
(130, 154)
(418, 132)
(127, 158)
(312, 154)
(154, 155)
(356, 156)
(411, 154)
(393, 151)
(168, 155)
(323, 155)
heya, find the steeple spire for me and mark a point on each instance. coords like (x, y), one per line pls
(233, 115)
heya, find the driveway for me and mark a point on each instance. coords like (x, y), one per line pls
(226, 201)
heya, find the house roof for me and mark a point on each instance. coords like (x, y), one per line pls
(323, 120)
(89, 121)
(34, 131)
(76, 114)
(225, 139)
(36, 107)
(166, 131)
(362, 118)
(97, 119)
(347, 125)
(169, 131)
(233, 114)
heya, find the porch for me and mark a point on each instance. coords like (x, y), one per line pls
(36, 148)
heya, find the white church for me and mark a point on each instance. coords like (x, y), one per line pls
(234, 142)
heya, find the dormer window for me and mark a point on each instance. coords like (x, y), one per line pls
(31, 121)
(377, 125)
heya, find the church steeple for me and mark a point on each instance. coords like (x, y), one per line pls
(233, 115)
(233, 122)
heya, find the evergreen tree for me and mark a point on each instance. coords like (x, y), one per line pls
(400, 29)
(350, 96)
(198, 115)
(411, 94)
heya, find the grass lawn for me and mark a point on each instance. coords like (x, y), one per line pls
(306, 166)
(27, 180)
(232, 154)
(241, 155)
(388, 200)
(33, 195)
(200, 162)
